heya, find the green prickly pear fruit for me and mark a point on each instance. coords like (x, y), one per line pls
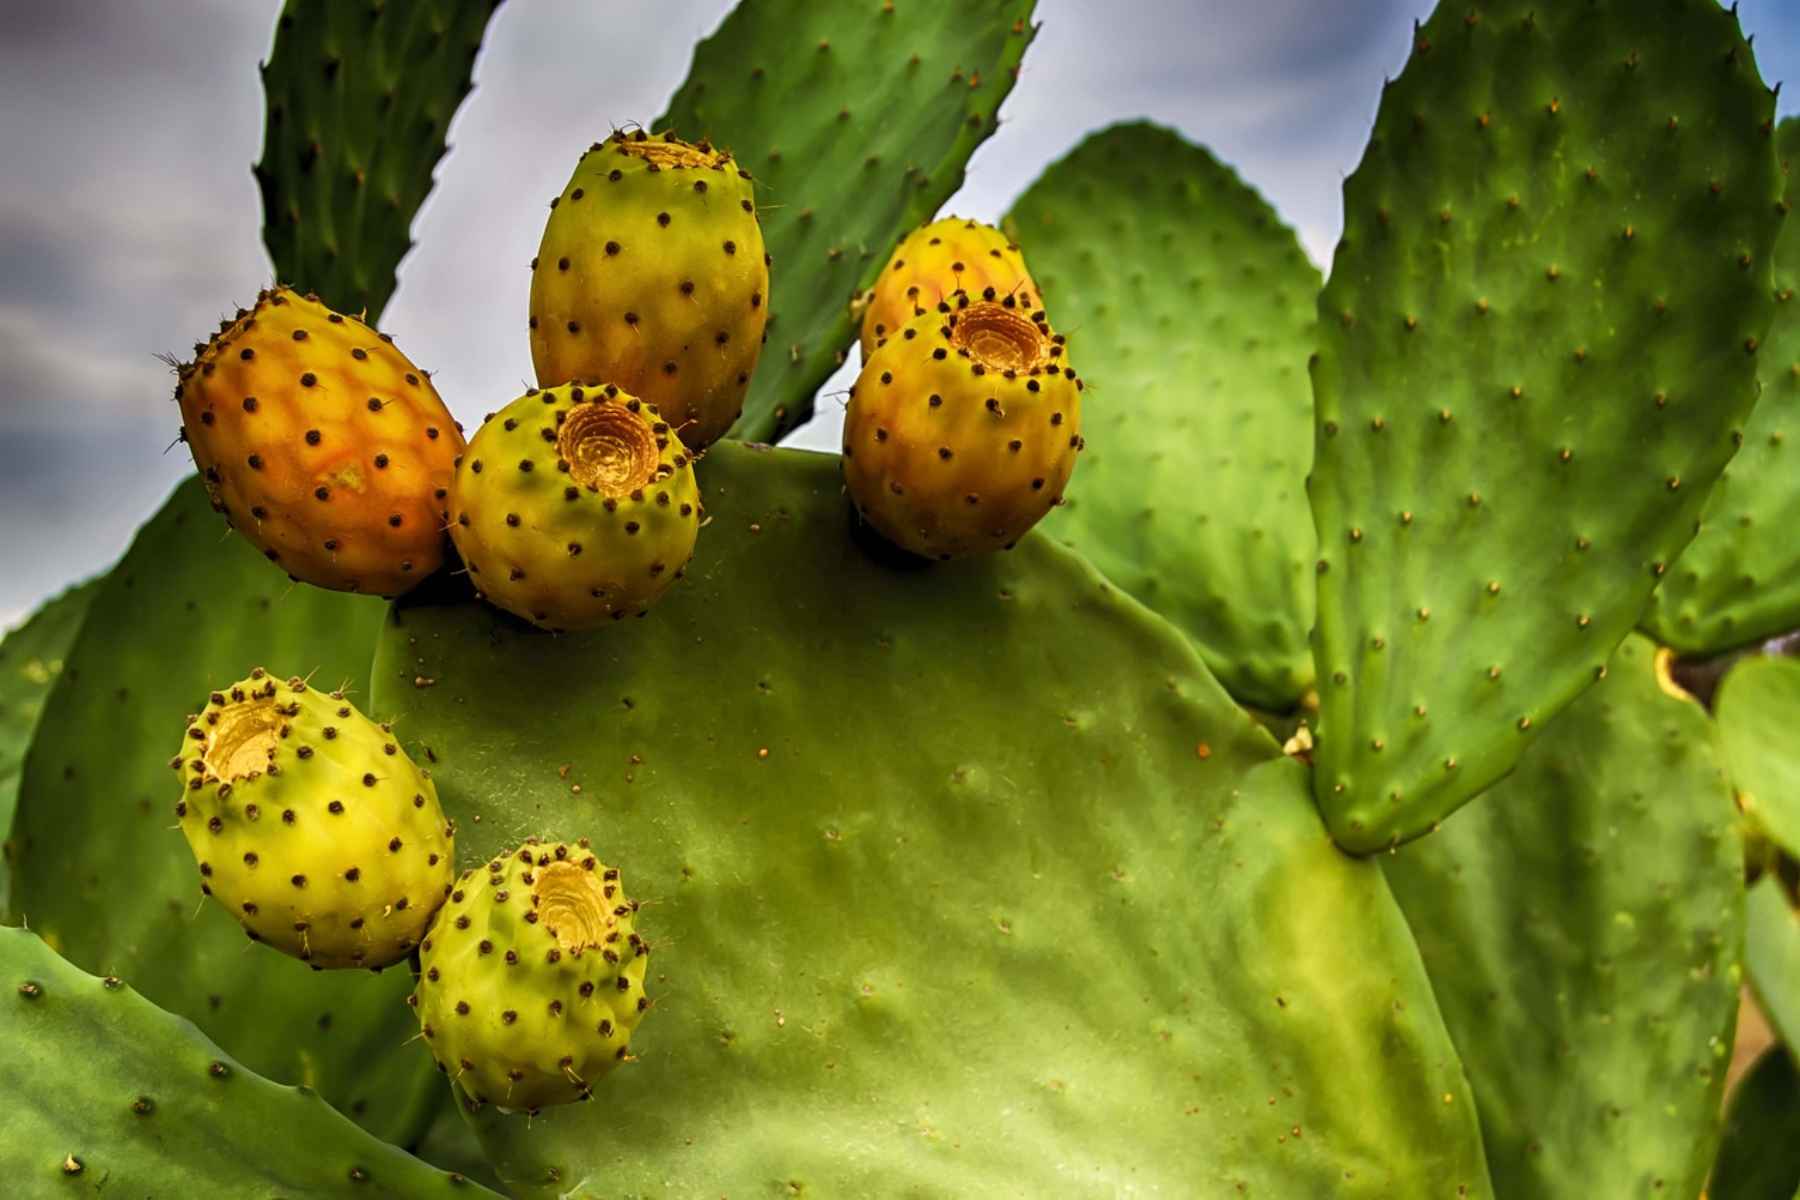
(962, 429)
(532, 979)
(575, 505)
(937, 260)
(652, 276)
(311, 825)
(322, 444)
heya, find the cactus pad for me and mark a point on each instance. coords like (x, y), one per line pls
(1191, 307)
(936, 260)
(1537, 352)
(1757, 705)
(1772, 956)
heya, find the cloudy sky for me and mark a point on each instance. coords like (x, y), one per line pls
(129, 219)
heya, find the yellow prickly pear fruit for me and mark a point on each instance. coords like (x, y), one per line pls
(962, 429)
(322, 444)
(652, 276)
(310, 824)
(935, 261)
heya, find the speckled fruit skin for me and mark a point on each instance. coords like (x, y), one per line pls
(574, 506)
(652, 276)
(962, 429)
(937, 260)
(322, 444)
(310, 824)
(532, 978)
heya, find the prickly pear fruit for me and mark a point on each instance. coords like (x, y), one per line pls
(936, 260)
(962, 429)
(311, 825)
(532, 978)
(652, 276)
(574, 505)
(322, 444)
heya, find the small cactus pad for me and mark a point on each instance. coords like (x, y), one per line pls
(1759, 1153)
(101, 869)
(1758, 709)
(574, 506)
(936, 260)
(1537, 351)
(652, 276)
(1193, 311)
(359, 98)
(310, 824)
(857, 120)
(533, 977)
(1772, 955)
(1580, 926)
(1740, 580)
(962, 429)
(106, 1094)
(977, 856)
(321, 443)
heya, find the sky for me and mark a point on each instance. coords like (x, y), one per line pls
(129, 221)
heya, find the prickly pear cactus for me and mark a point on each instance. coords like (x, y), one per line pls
(1757, 705)
(935, 261)
(652, 277)
(1772, 955)
(321, 443)
(1759, 1158)
(963, 429)
(1537, 351)
(575, 506)
(533, 977)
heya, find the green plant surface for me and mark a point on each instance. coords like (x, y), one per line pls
(966, 880)
(1772, 956)
(31, 657)
(108, 1094)
(1756, 705)
(1190, 310)
(1537, 352)
(1759, 1154)
(102, 870)
(360, 94)
(1740, 579)
(1581, 928)
(857, 120)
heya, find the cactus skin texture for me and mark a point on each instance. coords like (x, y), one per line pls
(936, 260)
(359, 98)
(533, 977)
(310, 824)
(575, 505)
(857, 120)
(652, 276)
(1757, 706)
(962, 429)
(1089, 922)
(322, 444)
(1537, 351)
(1740, 579)
(1607, 871)
(102, 871)
(157, 1109)
(1759, 1156)
(1196, 308)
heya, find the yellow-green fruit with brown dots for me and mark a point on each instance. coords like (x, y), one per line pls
(532, 979)
(652, 276)
(322, 444)
(934, 262)
(574, 506)
(962, 429)
(311, 825)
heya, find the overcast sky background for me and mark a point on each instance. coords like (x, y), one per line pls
(129, 221)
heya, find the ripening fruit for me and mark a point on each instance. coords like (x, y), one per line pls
(934, 262)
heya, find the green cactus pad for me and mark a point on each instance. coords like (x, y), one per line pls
(857, 121)
(1190, 308)
(102, 870)
(1580, 926)
(964, 881)
(1759, 1154)
(1757, 706)
(31, 657)
(106, 1094)
(1740, 580)
(1772, 956)
(1537, 350)
(360, 96)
